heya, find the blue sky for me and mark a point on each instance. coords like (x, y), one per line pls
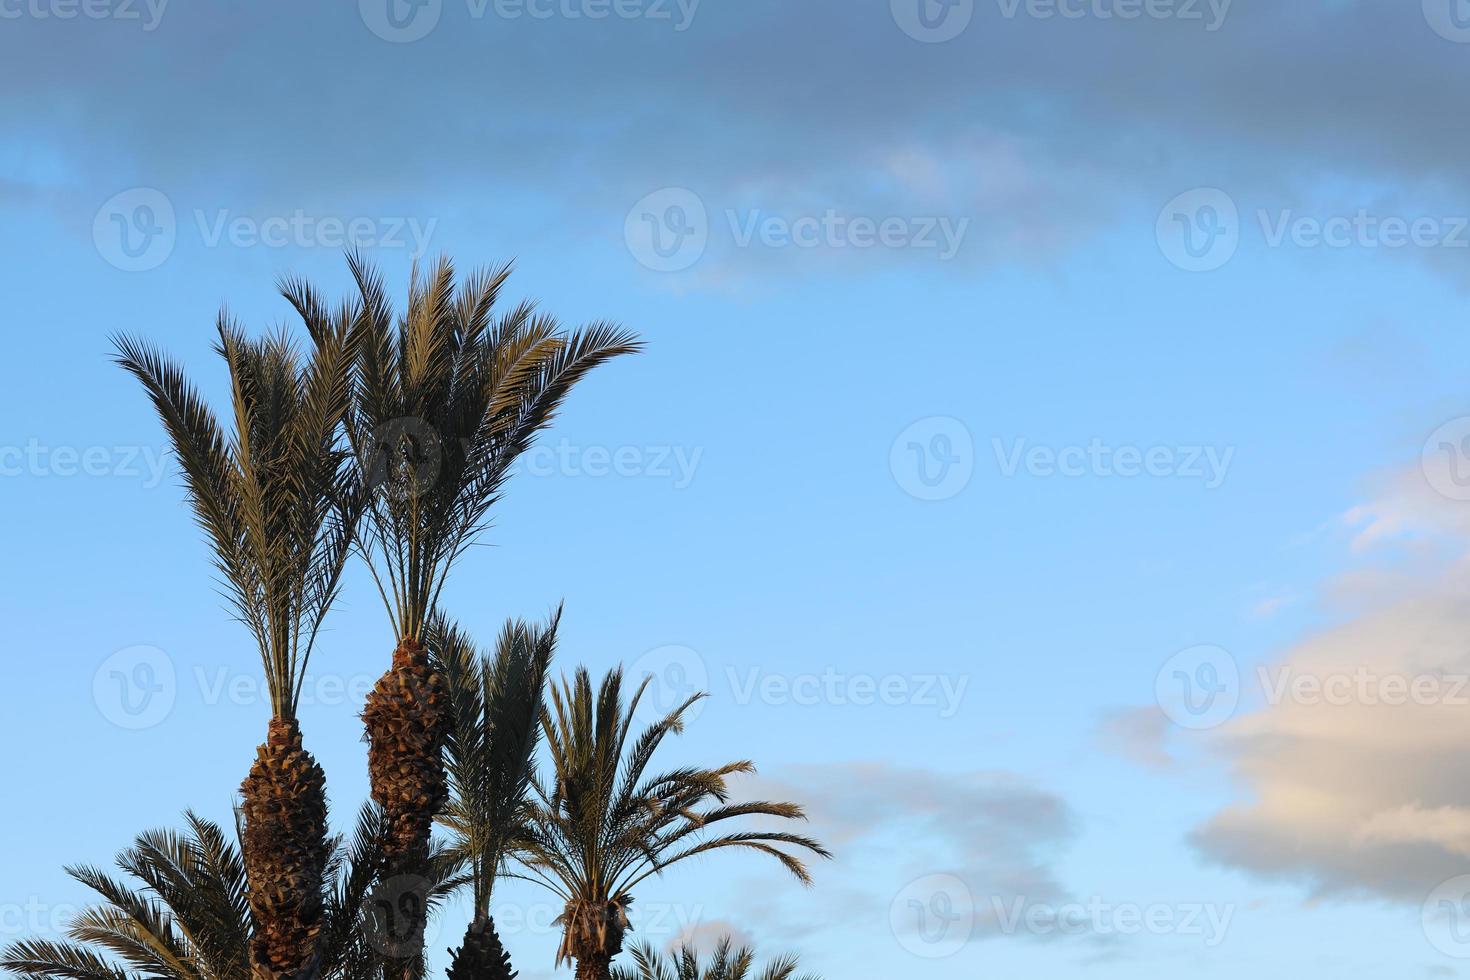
(1005, 366)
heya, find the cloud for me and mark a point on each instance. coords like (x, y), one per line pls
(989, 839)
(1138, 734)
(1356, 779)
(1043, 132)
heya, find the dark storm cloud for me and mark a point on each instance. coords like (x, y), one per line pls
(1034, 127)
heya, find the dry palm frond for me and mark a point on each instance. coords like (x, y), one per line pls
(725, 963)
(446, 398)
(272, 495)
(182, 912)
(603, 824)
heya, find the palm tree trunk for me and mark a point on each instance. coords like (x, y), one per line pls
(481, 957)
(284, 846)
(595, 966)
(407, 720)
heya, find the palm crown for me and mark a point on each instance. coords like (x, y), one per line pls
(444, 405)
(270, 496)
(603, 824)
(182, 912)
(725, 963)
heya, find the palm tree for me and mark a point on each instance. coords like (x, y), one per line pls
(496, 702)
(270, 499)
(602, 826)
(186, 914)
(445, 401)
(725, 964)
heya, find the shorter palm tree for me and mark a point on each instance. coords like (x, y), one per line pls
(603, 825)
(495, 703)
(186, 913)
(726, 963)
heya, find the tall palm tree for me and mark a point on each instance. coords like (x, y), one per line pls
(445, 400)
(603, 825)
(185, 914)
(726, 963)
(270, 498)
(496, 702)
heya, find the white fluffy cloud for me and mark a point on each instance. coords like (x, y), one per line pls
(1354, 766)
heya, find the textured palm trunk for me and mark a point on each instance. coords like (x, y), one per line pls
(594, 936)
(284, 847)
(481, 957)
(407, 720)
(595, 966)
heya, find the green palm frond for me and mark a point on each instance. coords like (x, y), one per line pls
(496, 703)
(446, 397)
(181, 913)
(273, 496)
(726, 962)
(602, 824)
